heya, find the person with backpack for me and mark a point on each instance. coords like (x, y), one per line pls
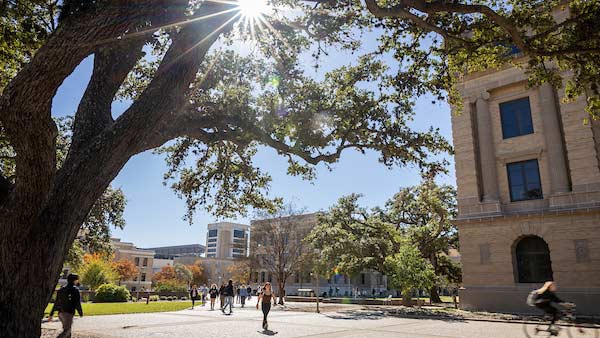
(249, 292)
(67, 302)
(543, 298)
(243, 294)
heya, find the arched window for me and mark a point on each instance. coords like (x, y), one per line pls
(533, 260)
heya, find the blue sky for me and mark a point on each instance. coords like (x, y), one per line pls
(154, 214)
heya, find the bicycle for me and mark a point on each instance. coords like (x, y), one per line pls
(572, 328)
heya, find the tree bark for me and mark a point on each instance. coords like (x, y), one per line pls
(434, 296)
(43, 211)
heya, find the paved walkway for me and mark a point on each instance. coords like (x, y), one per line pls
(201, 322)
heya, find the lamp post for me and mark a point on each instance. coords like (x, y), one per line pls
(316, 273)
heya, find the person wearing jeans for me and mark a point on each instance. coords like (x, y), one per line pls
(243, 295)
(229, 294)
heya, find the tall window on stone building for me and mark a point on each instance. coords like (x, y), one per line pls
(516, 118)
(524, 180)
(533, 260)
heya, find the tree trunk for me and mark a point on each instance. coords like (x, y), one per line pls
(434, 296)
(281, 295)
(406, 298)
(30, 269)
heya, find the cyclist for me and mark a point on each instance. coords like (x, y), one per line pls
(543, 298)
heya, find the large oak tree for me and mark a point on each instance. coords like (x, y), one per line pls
(220, 106)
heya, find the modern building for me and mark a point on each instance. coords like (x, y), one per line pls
(143, 259)
(227, 240)
(296, 228)
(528, 176)
(170, 252)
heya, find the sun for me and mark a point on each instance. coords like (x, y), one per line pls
(254, 8)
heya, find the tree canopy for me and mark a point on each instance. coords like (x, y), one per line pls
(352, 238)
(176, 62)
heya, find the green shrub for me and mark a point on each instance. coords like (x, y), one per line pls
(170, 286)
(184, 298)
(111, 293)
(163, 297)
(154, 298)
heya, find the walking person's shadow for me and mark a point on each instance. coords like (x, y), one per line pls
(268, 332)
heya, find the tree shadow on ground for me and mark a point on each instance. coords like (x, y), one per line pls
(400, 312)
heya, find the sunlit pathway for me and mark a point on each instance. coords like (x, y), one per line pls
(246, 322)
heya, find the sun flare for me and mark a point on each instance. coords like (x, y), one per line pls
(254, 8)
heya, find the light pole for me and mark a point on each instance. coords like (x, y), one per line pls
(316, 252)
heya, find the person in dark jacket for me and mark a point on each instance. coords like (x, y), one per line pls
(229, 294)
(194, 294)
(67, 302)
(546, 295)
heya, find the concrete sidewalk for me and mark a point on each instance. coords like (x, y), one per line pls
(201, 322)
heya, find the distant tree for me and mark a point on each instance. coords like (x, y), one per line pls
(352, 238)
(407, 271)
(166, 273)
(198, 275)
(281, 248)
(183, 274)
(97, 270)
(424, 215)
(125, 269)
(240, 271)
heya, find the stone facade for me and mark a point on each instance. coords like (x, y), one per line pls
(492, 224)
(143, 259)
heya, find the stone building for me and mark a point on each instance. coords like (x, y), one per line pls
(227, 240)
(141, 258)
(297, 227)
(528, 179)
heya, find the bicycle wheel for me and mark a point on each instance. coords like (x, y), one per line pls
(583, 331)
(536, 330)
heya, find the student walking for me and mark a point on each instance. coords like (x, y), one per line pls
(237, 295)
(222, 296)
(213, 292)
(265, 298)
(67, 301)
(229, 294)
(194, 295)
(204, 292)
(243, 295)
(249, 291)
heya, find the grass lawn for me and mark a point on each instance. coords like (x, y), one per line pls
(95, 309)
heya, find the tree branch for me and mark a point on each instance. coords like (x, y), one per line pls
(111, 66)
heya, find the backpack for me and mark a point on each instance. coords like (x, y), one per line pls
(63, 300)
(532, 298)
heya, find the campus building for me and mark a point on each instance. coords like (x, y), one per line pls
(143, 259)
(296, 228)
(528, 177)
(170, 252)
(227, 240)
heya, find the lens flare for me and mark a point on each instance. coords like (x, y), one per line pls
(254, 8)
